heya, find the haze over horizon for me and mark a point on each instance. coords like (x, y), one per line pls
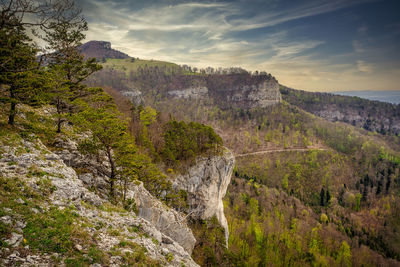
(334, 45)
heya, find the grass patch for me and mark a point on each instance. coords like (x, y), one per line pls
(54, 231)
(137, 257)
(128, 65)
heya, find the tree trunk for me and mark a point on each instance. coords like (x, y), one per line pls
(112, 173)
(12, 107)
(59, 123)
(12, 113)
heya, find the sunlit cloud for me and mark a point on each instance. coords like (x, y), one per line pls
(365, 67)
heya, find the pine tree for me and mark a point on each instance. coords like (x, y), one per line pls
(68, 65)
(106, 130)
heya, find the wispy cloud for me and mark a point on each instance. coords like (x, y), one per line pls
(306, 9)
(251, 34)
(365, 67)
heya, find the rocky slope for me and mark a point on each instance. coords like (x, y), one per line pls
(161, 230)
(164, 219)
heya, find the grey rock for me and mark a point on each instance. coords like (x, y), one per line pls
(192, 93)
(167, 240)
(20, 224)
(6, 220)
(52, 156)
(135, 96)
(87, 178)
(206, 184)
(20, 201)
(30, 259)
(166, 220)
(15, 239)
(258, 95)
(35, 210)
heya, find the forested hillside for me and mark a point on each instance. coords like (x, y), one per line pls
(344, 188)
(375, 116)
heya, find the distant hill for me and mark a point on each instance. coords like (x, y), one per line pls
(382, 117)
(101, 50)
(384, 96)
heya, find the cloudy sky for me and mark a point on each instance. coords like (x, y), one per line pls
(316, 45)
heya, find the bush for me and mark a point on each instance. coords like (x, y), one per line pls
(183, 141)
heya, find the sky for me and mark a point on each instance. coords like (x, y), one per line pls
(314, 45)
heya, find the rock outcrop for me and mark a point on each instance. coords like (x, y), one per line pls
(135, 96)
(190, 93)
(164, 219)
(258, 95)
(101, 50)
(237, 91)
(206, 184)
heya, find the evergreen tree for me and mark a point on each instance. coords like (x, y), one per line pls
(68, 65)
(18, 69)
(328, 196)
(322, 197)
(106, 130)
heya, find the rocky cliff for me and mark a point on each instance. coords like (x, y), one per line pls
(258, 95)
(206, 184)
(237, 91)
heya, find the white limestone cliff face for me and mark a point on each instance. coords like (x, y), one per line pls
(192, 93)
(265, 94)
(163, 218)
(135, 96)
(262, 94)
(206, 184)
(258, 95)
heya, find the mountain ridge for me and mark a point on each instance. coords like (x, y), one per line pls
(101, 50)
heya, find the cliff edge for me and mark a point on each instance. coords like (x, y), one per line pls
(206, 184)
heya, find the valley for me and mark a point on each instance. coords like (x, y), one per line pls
(333, 171)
